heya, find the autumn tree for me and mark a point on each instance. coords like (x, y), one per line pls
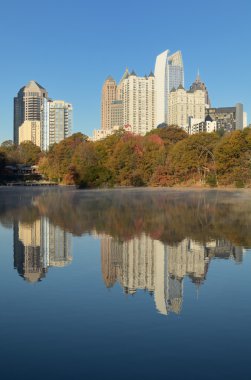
(193, 158)
(58, 161)
(233, 158)
(29, 153)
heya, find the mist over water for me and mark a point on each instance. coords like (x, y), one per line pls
(153, 281)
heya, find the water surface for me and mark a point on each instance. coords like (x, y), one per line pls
(125, 284)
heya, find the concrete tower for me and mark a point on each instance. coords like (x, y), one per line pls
(27, 105)
(109, 92)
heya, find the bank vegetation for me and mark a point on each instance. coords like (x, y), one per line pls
(164, 157)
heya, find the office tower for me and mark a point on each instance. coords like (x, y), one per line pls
(109, 92)
(30, 131)
(169, 74)
(56, 122)
(138, 96)
(27, 105)
(186, 105)
(227, 118)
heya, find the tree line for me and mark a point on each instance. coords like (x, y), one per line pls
(164, 157)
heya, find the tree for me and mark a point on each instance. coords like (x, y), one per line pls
(29, 153)
(58, 161)
(2, 160)
(233, 157)
(193, 157)
(170, 135)
(7, 144)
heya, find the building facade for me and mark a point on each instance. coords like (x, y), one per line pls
(227, 118)
(109, 94)
(184, 105)
(56, 122)
(30, 131)
(27, 105)
(117, 114)
(138, 97)
(169, 74)
(207, 126)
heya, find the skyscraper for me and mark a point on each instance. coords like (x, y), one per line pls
(138, 96)
(109, 93)
(56, 122)
(169, 74)
(27, 105)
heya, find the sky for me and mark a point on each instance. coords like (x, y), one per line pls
(70, 47)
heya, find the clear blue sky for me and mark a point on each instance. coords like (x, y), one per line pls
(70, 47)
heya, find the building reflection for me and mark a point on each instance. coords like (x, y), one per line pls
(160, 269)
(39, 245)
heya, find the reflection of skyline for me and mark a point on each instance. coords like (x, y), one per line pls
(39, 245)
(160, 269)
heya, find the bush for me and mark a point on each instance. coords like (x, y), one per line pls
(96, 177)
(137, 181)
(211, 180)
(239, 184)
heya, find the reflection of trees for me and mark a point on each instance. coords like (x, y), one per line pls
(169, 216)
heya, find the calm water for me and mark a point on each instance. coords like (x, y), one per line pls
(133, 284)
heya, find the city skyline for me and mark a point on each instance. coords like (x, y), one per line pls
(137, 49)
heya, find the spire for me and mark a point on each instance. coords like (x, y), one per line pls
(125, 75)
(198, 80)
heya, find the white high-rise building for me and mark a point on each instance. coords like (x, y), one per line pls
(138, 96)
(169, 74)
(56, 122)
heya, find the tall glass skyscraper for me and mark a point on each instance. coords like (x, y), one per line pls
(169, 74)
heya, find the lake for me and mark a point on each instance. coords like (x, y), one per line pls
(125, 284)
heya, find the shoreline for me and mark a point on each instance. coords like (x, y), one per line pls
(129, 188)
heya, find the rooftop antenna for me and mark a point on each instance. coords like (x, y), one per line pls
(198, 76)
